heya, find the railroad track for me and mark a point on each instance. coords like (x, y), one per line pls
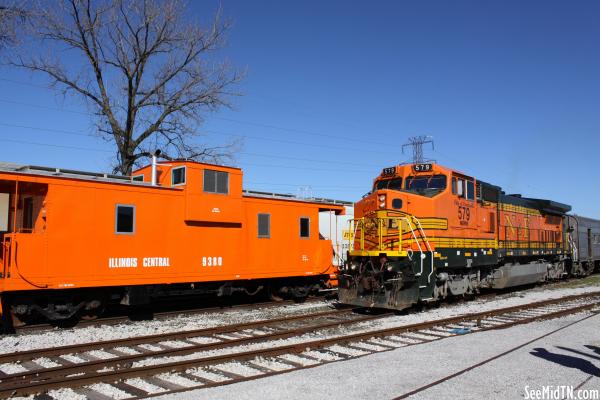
(119, 319)
(168, 363)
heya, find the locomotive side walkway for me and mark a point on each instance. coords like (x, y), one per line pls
(569, 357)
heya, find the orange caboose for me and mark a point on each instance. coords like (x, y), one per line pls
(74, 241)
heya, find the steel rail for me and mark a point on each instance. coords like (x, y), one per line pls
(125, 361)
(113, 320)
(161, 337)
(488, 360)
(23, 388)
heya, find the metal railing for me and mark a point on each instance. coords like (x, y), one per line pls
(364, 228)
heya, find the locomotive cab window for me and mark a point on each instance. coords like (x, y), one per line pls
(178, 176)
(470, 191)
(264, 225)
(138, 178)
(428, 185)
(304, 227)
(216, 181)
(125, 219)
(391, 184)
(463, 188)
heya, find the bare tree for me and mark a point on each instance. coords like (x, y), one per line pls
(143, 68)
(11, 15)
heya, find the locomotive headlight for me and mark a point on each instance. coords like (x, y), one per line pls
(381, 197)
(382, 204)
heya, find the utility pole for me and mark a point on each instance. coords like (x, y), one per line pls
(417, 143)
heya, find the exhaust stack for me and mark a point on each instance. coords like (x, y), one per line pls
(154, 162)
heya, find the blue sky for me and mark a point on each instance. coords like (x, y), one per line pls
(509, 90)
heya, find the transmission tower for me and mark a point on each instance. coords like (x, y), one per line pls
(417, 143)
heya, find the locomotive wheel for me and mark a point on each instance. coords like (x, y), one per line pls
(273, 295)
(91, 315)
(16, 321)
(300, 294)
(94, 313)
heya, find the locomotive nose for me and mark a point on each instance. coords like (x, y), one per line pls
(386, 200)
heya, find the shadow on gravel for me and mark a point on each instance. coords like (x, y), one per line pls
(595, 349)
(569, 361)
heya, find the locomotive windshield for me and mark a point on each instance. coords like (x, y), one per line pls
(427, 185)
(391, 184)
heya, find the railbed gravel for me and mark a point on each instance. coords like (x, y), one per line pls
(57, 337)
(91, 334)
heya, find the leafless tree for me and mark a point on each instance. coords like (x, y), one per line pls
(11, 15)
(145, 69)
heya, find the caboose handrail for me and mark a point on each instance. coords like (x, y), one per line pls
(6, 243)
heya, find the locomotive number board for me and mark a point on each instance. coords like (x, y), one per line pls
(422, 167)
(388, 171)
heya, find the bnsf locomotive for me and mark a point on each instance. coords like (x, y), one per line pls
(73, 242)
(426, 232)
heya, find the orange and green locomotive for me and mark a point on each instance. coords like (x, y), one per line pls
(426, 232)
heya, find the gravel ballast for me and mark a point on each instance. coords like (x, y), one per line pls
(393, 373)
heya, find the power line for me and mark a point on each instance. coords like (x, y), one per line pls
(108, 151)
(45, 107)
(262, 125)
(205, 130)
(52, 145)
(61, 131)
(302, 159)
(306, 168)
(238, 121)
(36, 128)
(304, 184)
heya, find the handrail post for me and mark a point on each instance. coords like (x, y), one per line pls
(380, 232)
(399, 223)
(362, 234)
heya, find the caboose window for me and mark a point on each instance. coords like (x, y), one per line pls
(264, 225)
(125, 219)
(304, 227)
(28, 214)
(178, 176)
(216, 181)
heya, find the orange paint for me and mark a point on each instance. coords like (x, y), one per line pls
(62, 232)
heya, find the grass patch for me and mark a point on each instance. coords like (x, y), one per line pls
(593, 280)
